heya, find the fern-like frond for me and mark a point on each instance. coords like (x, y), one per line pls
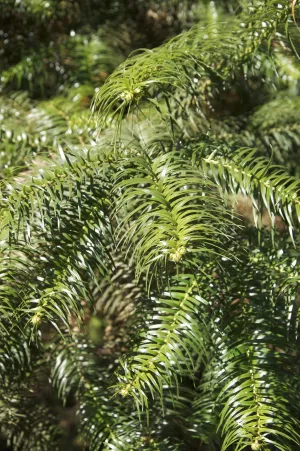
(25, 424)
(252, 372)
(256, 399)
(267, 185)
(40, 201)
(26, 421)
(127, 282)
(49, 260)
(15, 357)
(69, 369)
(174, 211)
(278, 131)
(194, 52)
(167, 348)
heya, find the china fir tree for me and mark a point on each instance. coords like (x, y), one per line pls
(150, 207)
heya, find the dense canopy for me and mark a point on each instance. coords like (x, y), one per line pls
(149, 225)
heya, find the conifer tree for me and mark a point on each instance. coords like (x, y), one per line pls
(149, 228)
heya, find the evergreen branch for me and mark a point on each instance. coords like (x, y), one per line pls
(48, 276)
(204, 344)
(171, 63)
(25, 424)
(40, 201)
(73, 362)
(174, 211)
(168, 346)
(56, 297)
(15, 357)
(256, 404)
(257, 178)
